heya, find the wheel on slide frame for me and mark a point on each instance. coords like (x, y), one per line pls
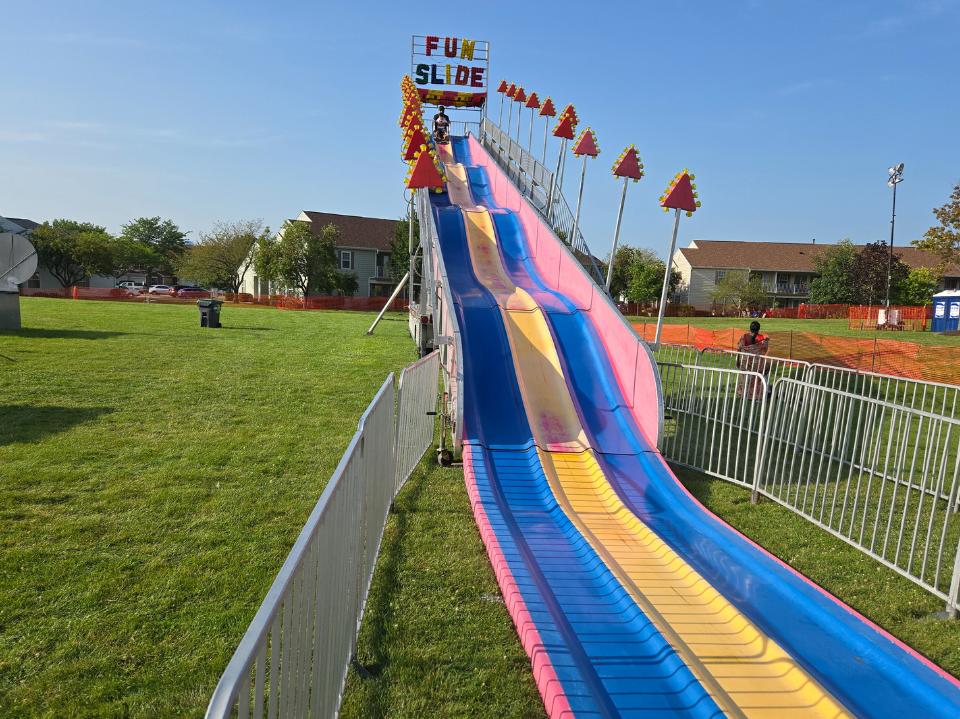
(444, 456)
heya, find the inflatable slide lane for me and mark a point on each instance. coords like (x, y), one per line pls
(629, 597)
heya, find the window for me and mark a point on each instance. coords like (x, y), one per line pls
(346, 260)
(719, 275)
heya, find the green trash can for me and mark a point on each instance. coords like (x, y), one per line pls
(209, 312)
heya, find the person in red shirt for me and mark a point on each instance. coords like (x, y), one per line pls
(752, 347)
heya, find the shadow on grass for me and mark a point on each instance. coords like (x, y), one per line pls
(255, 329)
(38, 333)
(25, 423)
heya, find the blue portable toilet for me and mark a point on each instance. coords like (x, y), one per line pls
(946, 311)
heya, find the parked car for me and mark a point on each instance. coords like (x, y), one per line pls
(131, 285)
(160, 289)
(197, 292)
(125, 292)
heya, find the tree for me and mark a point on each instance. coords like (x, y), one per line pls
(301, 259)
(644, 276)
(347, 283)
(917, 287)
(742, 290)
(622, 262)
(223, 255)
(944, 239)
(266, 259)
(128, 255)
(868, 277)
(163, 237)
(72, 251)
(400, 246)
(835, 270)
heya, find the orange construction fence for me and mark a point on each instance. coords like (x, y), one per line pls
(874, 354)
(809, 312)
(283, 302)
(897, 317)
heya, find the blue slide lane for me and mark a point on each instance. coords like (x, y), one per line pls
(609, 658)
(859, 665)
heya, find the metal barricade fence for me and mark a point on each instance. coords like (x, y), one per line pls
(293, 659)
(416, 400)
(935, 397)
(773, 368)
(676, 354)
(881, 476)
(713, 420)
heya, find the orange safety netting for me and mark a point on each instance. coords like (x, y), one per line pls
(886, 356)
(897, 317)
(284, 302)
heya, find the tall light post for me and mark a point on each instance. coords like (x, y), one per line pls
(896, 177)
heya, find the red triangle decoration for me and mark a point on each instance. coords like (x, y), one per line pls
(520, 96)
(564, 128)
(681, 194)
(502, 87)
(547, 109)
(586, 144)
(533, 101)
(569, 110)
(410, 112)
(424, 173)
(511, 90)
(628, 164)
(415, 140)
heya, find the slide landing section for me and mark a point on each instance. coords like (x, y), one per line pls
(630, 598)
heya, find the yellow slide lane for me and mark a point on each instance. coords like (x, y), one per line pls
(746, 672)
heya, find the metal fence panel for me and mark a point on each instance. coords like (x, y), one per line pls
(676, 354)
(713, 420)
(773, 368)
(925, 395)
(883, 477)
(416, 400)
(293, 658)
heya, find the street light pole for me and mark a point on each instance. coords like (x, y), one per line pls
(896, 177)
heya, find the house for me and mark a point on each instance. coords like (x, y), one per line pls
(364, 250)
(785, 268)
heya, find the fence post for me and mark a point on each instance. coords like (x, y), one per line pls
(790, 352)
(761, 443)
(873, 363)
(953, 596)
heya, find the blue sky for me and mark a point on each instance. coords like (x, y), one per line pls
(789, 113)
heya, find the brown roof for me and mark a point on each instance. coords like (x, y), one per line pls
(783, 256)
(369, 233)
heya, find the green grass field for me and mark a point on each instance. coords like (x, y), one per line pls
(836, 328)
(153, 476)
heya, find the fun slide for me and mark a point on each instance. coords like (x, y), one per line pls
(629, 597)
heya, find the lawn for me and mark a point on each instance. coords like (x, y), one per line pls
(153, 476)
(835, 328)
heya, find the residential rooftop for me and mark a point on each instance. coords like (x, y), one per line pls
(785, 256)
